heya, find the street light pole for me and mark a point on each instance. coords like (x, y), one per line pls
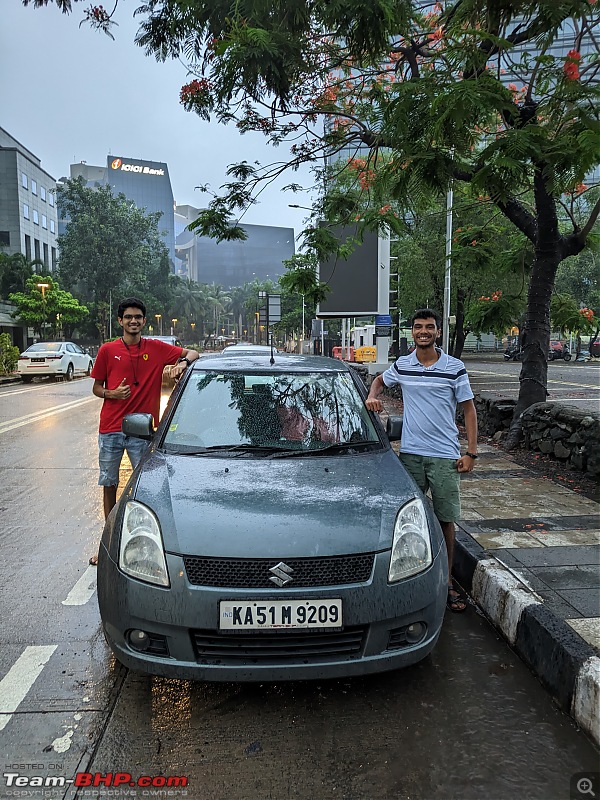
(159, 322)
(43, 287)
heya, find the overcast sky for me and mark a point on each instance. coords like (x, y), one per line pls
(71, 94)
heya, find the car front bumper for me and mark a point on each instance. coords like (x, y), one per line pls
(184, 622)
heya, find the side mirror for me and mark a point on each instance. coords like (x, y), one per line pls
(393, 428)
(140, 426)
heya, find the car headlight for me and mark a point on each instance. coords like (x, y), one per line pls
(411, 548)
(141, 552)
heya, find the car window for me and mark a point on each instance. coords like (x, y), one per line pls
(77, 349)
(70, 348)
(306, 411)
(48, 347)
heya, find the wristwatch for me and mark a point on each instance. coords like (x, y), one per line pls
(187, 361)
(471, 455)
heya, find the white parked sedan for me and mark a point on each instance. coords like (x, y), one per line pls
(54, 358)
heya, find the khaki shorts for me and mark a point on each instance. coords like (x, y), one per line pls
(441, 477)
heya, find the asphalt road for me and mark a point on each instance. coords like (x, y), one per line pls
(573, 383)
(468, 722)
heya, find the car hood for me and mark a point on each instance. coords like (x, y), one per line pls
(255, 508)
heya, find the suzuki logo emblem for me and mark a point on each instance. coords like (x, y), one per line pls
(281, 574)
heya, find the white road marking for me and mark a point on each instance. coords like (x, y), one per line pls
(20, 678)
(11, 392)
(83, 589)
(49, 412)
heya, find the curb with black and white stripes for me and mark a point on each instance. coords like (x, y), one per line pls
(567, 665)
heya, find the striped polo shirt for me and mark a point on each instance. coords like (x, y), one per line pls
(430, 395)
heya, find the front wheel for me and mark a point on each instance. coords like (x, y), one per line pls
(69, 373)
(89, 369)
(567, 356)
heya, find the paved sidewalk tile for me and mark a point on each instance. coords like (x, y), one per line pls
(588, 629)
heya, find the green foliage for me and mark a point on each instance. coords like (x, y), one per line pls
(567, 316)
(495, 314)
(47, 308)
(111, 249)
(9, 355)
(14, 271)
(301, 278)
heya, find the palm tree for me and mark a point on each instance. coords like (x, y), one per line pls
(218, 301)
(14, 271)
(189, 302)
(239, 295)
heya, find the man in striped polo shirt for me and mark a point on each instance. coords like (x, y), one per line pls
(432, 384)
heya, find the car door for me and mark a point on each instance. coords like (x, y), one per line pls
(76, 355)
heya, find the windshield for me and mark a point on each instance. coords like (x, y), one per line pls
(44, 346)
(301, 412)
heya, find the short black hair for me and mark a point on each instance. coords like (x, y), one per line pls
(130, 302)
(426, 313)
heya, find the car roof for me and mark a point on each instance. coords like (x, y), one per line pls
(248, 348)
(286, 362)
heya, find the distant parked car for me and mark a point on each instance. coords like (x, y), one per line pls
(64, 359)
(270, 532)
(167, 380)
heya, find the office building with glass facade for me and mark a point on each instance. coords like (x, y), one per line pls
(260, 257)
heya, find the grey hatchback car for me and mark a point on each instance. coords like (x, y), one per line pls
(270, 532)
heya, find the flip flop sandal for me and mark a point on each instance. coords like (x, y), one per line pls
(93, 561)
(456, 602)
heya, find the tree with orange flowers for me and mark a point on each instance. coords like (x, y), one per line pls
(426, 94)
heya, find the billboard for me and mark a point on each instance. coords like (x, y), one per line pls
(352, 281)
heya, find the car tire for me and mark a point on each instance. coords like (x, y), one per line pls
(26, 378)
(89, 369)
(69, 373)
(567, 356)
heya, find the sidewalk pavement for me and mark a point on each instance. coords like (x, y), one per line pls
(528, 553)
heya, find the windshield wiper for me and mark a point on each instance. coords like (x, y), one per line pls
(329, 449)
(243, 447)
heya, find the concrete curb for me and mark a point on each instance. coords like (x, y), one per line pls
(567, 665)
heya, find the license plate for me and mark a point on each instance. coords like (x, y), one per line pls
(280, 614)
(38, 360)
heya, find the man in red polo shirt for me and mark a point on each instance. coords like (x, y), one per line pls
(128, 377)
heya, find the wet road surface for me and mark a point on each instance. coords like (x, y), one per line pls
(572, 383)
(468, 722)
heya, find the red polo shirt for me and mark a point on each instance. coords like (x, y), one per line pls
(142, 365)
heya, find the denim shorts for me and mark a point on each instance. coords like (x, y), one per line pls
(111, 447)
(441, 477)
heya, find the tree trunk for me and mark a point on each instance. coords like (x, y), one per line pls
(535, 339)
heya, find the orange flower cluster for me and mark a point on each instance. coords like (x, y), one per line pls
(366, 178)
(495, 296)
(587, 313)
(571, 65)
(384, 209)
(193, 90)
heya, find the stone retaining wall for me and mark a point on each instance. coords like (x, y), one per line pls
(570, 434)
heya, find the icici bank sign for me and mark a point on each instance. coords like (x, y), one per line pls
(118, 163)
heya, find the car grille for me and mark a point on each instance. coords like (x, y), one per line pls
(238, 573)
(274, 647)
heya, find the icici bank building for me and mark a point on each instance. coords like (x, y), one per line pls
(146, 183)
